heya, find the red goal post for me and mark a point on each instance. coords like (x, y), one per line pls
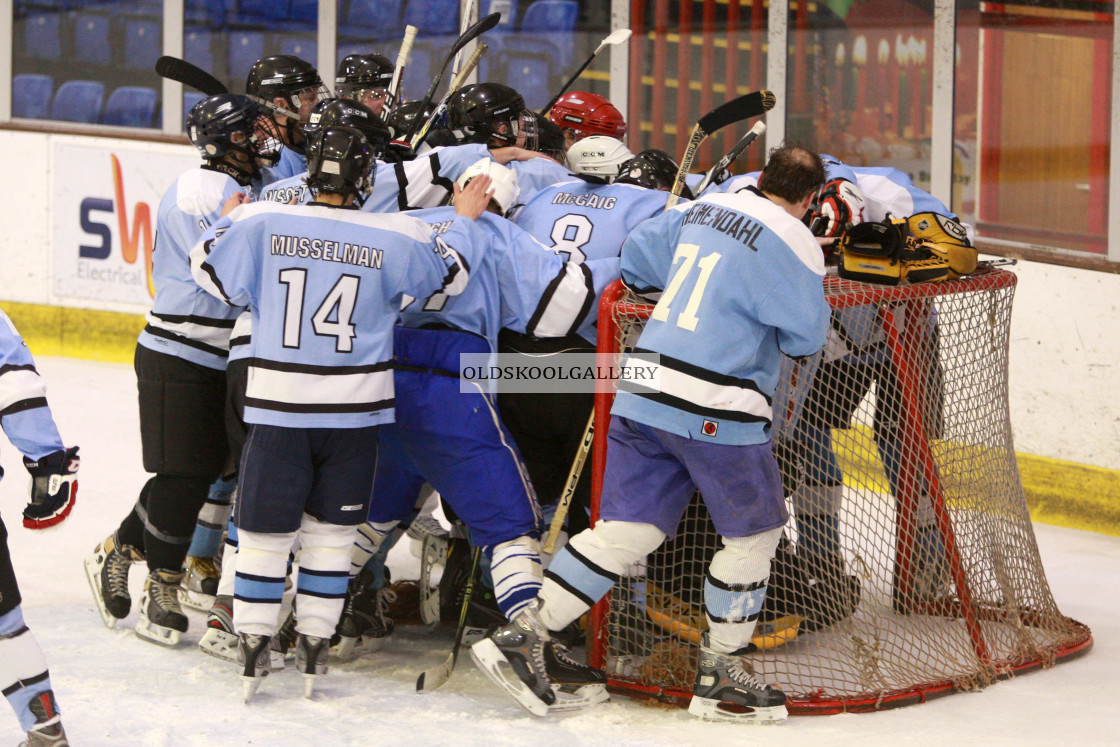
(950, 587)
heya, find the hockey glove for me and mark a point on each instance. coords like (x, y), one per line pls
(54, 486)
(946, 239)
(838, 207)
(872, 252)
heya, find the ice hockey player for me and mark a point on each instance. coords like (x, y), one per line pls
(739, 285)
(324, 284)
(581, 114)
(180, 369)
(580, 220)
(448, 431)
(27, 422)
(596, 158)
(494, 115)
(289, 87)
(365, 78)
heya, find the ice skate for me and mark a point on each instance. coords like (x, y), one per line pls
(364, 626)
(161, 618)
(513, 656)
(311, 660)
(200, 584)
(219, 640)
(575, 685)
(284, 642)
(434, 554)
(47, 731)
(931, 568)
(252, 661)
(726, 691)
(107, 573)
(483, 615)
(424, 525)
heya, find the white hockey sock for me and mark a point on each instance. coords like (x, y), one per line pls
(262, 564)
(590, 565)
(368, 540)
(324, 565)
(23, 668)
(735, 588)
(229, 561)
(515, 567)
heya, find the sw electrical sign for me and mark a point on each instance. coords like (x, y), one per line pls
(105, 201)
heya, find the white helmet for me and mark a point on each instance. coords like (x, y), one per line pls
(598, 155)
(504, 188)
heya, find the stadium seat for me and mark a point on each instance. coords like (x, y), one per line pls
(31, 95)
(306, 11)
(189, 100)
(531, 75)
(91, 38)
(130, 106)
(253, 12)
(210, 13)
(378, 19)
(301, 46)
(508, 9)
(198, 49)
(42, 38)
(245, 48)
(143, 41)
(548, 29)
(433, 17)
(78, 101)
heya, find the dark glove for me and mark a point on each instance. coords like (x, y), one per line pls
(54, 486)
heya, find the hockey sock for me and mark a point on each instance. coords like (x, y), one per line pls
(131, 531)
(368, 541)
(515, 568)
(590, 565)
(262, 563)
(376, 563)
(169, 519)
(212, 517)
(24, 668)
(735, 588)
(324, 565)
(229, 560)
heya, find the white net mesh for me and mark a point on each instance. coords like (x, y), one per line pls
(931, 578)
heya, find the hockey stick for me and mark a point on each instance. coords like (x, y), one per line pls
(430, 679)
(469, 35)
(618, 36)
(463, 21)
(565, 501)
(456, 84)
(729, 158)
(750, 105)
(184, 72)
(410, 33)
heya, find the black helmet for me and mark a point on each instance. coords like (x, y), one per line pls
(338, 161)
(491, 111)
(358, 73)
(213, 122)
(653, 169)
(550, 139)
(289, 78)
(402, 115)
(330, 112)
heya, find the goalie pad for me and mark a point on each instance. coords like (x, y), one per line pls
(872, 252)
(946, 240)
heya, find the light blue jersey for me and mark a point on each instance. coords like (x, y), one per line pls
(742, 285)
(536, 174)
(420, 183)
(290, 164)
(324, 286)
(584, 221)
(24, 413)
(516, 283)
(185, 321)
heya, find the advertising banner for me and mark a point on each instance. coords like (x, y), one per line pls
(104, 203)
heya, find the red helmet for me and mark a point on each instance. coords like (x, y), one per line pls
(588, 114)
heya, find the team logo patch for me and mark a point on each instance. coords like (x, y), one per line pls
(709, 428)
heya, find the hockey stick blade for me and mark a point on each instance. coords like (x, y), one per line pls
(749, 105)
(618, 36)
(436, 677)
(184, 72)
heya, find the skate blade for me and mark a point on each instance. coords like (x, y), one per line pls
(711, 709)
(95, 587)
(196, 600)
(489, 659)
(578, 700)
(158, 634)
(309, 683)
(219, 644)
(433, 555)
(249, 686)
(276, 661)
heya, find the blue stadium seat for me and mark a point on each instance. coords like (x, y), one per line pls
(530, 74)
(305, 11)
(418, 73)
(302, 46)
(42, 38)
(189, 100)
(252, 12)
(78, 101)
(548, 28)
(91, 38)
(379, 19)
(433, 17)
(143, 41)
(31, 95)
(197, 47)
(245, 48)
(508, 9)
(130, 106)
(205, 12)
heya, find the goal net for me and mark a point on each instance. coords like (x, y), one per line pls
(901, 427)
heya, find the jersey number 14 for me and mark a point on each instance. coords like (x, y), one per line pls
(339, 303)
